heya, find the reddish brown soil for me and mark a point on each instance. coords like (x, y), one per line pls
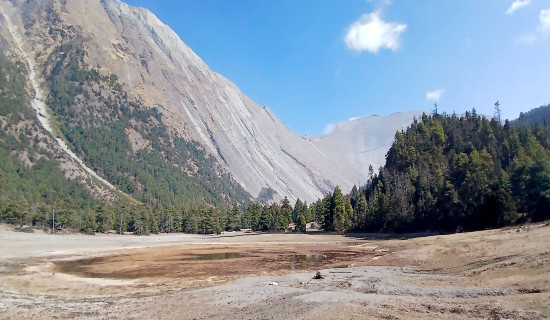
(193, 263)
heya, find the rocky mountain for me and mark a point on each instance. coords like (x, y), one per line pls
(138, 108)
(362, 142)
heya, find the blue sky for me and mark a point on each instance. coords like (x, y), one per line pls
(319, 62)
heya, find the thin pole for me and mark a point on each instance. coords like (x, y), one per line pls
(53, 220)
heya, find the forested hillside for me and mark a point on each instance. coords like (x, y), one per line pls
(97, 118)
(451, 173)
(128, 144)
(30, 179)
(540, 115)
(444, 173)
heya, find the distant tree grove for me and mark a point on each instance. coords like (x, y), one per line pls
(448, 173)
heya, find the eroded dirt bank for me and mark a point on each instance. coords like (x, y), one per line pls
(496, 274)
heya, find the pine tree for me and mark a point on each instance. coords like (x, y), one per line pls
(338, 209)
(233, 218)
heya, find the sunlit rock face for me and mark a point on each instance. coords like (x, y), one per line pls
(364, 141)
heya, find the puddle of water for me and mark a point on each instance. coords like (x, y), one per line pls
(214, 256)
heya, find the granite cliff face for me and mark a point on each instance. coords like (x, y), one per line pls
(197, 104)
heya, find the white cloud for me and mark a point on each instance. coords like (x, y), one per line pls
(544, 18)
(371, 33)
(541, 31)
(435, 95)
(329, 128)
(518, 4)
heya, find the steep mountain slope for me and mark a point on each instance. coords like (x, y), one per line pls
(38, 101)
(30, 160)
(119, 80)
(110, 134)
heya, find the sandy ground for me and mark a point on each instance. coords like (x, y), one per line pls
(495, 274)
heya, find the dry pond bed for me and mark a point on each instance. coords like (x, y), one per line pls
(494, 274)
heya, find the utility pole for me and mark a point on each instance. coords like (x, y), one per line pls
(53, 220)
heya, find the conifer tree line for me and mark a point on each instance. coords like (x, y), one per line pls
(140, 219)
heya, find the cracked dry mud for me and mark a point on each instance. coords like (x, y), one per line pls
(495, 274)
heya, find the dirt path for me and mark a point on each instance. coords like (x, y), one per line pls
(496, 274)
